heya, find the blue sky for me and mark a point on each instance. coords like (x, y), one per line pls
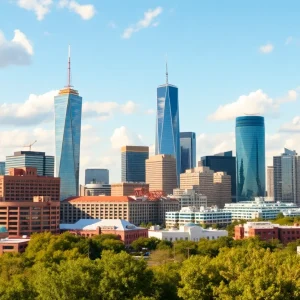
(226, 57)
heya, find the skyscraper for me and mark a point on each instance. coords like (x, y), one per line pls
(286, 168)
(2, 167)
(43, 163)
(187, 150)
(250, 157)
(270, 181)
(67, 106)
(133, 163)
(97, 176)
(222, 162)
(167, 139)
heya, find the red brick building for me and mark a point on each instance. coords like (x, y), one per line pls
(267, 231)
(11, 245)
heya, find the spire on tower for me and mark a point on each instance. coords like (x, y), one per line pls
(167, 74)
(69, 68)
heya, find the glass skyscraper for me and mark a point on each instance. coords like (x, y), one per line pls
(187, 150)
(2, 167)
(250, 157)
(133, 163)
(67, 107)
(97, 176)
(167, 139)
(39, 160)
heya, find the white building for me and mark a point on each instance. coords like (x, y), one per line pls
(189, 197)
(259, 208)
(203, 215)
(188, 232)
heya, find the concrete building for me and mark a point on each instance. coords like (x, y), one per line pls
(126, 231)
(202, 216)
(259, 208)
(189, 197)
(39, 160)
(97, 189)
(188, 232)
(222, 188)
(134, 209)
(127, 188)
(270, 181)
(133, 163)
(267, 231)
(96, 176)
(161, 173)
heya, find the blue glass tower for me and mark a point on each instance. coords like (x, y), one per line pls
(188, 150)
(167, 123)
(67, 107)
(250, 157)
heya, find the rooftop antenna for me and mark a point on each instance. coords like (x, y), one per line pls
(69, 68)
(167, 74)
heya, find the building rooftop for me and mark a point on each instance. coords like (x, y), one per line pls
(13, 241)
(81, 199)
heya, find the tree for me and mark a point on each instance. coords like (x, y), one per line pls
(142, 242)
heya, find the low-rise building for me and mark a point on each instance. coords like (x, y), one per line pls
(97, 189)
(206, 216)
(187, 232)
(126, 231)
(258, 209)
(189, 197)
(127, 188)
(267, 231)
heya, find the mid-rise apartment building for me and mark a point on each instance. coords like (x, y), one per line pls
(188, 197)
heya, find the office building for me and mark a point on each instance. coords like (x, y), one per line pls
(8, 245)
(187, 150)
(161, 173)
(136, 210)
(270, 181)
(133, 163)
(267, 231)
(97, 176)
(222, 188)
(97, 189)
(189, 197)
(187, 232)
(207, 216)
(222, 162)
(287, 177)
(250, 157)
(67, 108)
(126, 231)
(127, 188)
(260, 208)
(39, 160)
(167, 139)
(2, 167)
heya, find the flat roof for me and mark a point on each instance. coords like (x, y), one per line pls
(13, 241)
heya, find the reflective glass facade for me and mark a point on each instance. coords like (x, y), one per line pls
(187, 150)
(97, 176)
(68, 106)
(2, 168)
(167, 124)
(250, 157)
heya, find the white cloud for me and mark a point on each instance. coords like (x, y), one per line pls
(122, 137)
(150, 111)
(129, 107)
(268, 48)
(291, 127)
(148, 20)
(85, 11)
(39, 7)
(290, 97)
(18, 51)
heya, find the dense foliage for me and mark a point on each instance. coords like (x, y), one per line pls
(68, 267)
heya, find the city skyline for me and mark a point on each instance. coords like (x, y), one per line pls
(243, 63)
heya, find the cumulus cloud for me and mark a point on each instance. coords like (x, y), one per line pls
(265, 49)
(292, 126)
(18, 51)
(149, 20)
(39, 7)
(122, 137)
(85, 11)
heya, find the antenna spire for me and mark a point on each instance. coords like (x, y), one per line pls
(69, 68)
(167, 74)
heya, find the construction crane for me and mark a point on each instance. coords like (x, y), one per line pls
(30, 145)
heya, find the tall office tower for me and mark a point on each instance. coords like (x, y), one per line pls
(250, 157)
(133, 163)
(67, 106)
(187, 150)
(167, 139)
(286, 177)
(222, 162)
(270, 181)
(2, 167)
(222, 188)
(39, 160)
(97, 176)
(161, 173)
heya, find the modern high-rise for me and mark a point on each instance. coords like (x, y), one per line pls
(167, 139)
(187, 150)
(67, 107)
(96, 176)
(133, 163)
(222, 162)
(39, 160)
(250, 157)
(2, 167)
(270, 181)
(161, 173)
(287, 177)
